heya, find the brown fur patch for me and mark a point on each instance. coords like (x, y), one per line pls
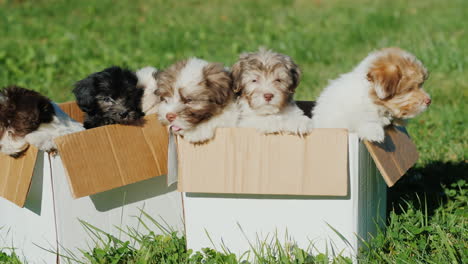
(212, 98)
(400, 76)
(166, 79)
(24, 110)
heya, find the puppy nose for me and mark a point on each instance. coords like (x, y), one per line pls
(268, 96)
(428, 101)
(171, 117)
(123, 114)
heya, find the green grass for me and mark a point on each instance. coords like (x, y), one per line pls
(48, 45)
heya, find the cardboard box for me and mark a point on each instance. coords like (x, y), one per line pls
(244, 187)
(112, 170)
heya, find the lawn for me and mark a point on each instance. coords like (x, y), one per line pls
(48, 45)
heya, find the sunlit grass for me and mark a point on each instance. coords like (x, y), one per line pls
(47, 45)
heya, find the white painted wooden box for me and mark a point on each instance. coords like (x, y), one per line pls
(243, 188)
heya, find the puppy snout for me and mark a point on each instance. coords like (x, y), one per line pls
(171, 116)
(124, 114)
(268, 96)
(428, 101)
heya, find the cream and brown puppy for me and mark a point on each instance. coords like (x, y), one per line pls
(265, 82)
(196, 98)
(385, 88)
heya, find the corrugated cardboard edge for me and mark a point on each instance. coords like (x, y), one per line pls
(113, 156)
(395, 155)
(72, 109)
(16, 175)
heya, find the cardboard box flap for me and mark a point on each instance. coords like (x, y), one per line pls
(395, 155)
(108, 157)
(244, 161)
(72, 109)
(16, 175)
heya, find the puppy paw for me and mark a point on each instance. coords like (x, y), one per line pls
(371, 132)
(53, 152)
(268, 130)
(198, 137)
(301, 128)
(297, 126)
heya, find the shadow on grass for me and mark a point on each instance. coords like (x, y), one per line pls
(426, 183)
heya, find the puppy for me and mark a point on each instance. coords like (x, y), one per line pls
(109, 97)
(196, 98)
(27, 117)
(147, 82)
(385, 88)
(266, 82)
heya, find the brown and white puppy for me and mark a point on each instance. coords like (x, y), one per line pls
(196, 98)
(385, 88)
(27, 117)
(266, 82)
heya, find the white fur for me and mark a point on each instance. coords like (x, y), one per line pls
(290, 119)
(206, 130)
(346, 103)
(148, 82)
(62, 124)
(12, 146)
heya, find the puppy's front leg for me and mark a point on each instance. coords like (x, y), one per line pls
(268, 124)
(200, 134)
(371, 132)
(42, 140)
(299, 125)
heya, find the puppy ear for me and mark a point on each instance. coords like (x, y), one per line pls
(296, 74)
(84, 92)
(220, 82)
(46, 110)
(385, 78)
(236, 75)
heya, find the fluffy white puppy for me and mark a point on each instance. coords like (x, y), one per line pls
(196, 98)
(385, 88)
(27, 117)
(147, 81)
(266, 82)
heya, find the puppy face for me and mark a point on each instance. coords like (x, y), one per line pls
(191, 92)
(21, 112)
(109, 97)
(397, 78)
(267, 80)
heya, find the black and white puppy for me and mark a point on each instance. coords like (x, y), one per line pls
(109, 97)
(27, 117)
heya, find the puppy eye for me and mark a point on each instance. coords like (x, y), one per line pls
(254, 80)
(278, 80)
(108, 100)
(188, 100)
